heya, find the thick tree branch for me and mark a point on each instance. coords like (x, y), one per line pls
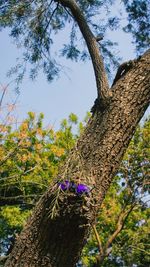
(123, 69)
(90, 39)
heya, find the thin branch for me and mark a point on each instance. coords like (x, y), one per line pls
(104, 251)
(17, 175)
(68, 12)
(3, 94)
(23, 182)
(11, 153)
(1, 100)
(49, 20)
(136, 248)
(98, 240)
(120, 224)
(93, 47)
(14, 198)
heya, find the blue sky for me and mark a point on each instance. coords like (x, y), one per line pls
(74, 91)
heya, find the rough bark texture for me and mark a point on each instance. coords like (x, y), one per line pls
(58, 242)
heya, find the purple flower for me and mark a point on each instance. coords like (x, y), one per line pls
(82, 188)
(64, 185)
(73, 186)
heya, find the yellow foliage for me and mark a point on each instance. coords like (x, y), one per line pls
(24, 126)
(3, 129)
(38, 146)
(39, 132)
(14, 216)
(23, 135)
(57, 151)
(24, 158)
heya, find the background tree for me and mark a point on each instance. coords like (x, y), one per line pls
(91, 165)
(30, 158)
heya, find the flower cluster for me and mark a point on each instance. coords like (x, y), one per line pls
(72, 187)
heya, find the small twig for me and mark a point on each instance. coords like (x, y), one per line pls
(3, 94)
(54, 205)
(17, 175)
(68, 12)
(143, 250)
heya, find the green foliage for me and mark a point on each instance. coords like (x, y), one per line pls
(138, 22)
(34, 25)
(12, 219)
(30, 159)
(14, 216)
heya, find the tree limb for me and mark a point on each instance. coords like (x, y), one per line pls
(90, 39)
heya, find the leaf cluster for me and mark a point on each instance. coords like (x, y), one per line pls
(34, 26)
(138, 23)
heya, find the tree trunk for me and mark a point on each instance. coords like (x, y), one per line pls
(58, 241)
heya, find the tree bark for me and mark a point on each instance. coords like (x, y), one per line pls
(58, 241)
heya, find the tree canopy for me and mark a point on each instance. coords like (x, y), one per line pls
(36, 25)
(138, 23)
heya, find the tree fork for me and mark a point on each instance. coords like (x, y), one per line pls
(58, 242)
